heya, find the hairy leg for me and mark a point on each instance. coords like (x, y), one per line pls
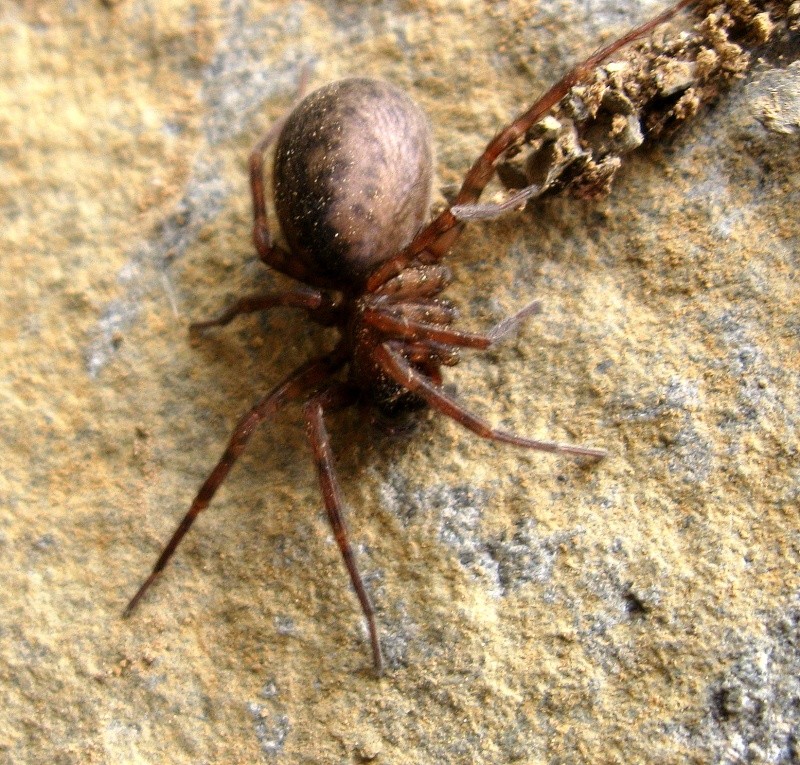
(307, 377)
(393, 363)
(418, 282)
(268, 251)
(417, 331)
(300, 297)
(338, 397)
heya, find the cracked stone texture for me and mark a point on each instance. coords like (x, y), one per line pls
(532, 609)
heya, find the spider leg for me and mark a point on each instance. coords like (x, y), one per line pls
(419, 282)
(412, 330)
(393, 363)
(430, 351)
(299, 297)
(432, 310)
(489, 210)
(440, 234)
(330, 399)
(308, 376)
(268, 251)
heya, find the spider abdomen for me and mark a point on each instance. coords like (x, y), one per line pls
(353, 177)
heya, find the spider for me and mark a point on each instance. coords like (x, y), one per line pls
(352, 185)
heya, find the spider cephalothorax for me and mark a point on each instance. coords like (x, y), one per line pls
(352, 186)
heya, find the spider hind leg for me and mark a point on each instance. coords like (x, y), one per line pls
(309, 376)
(339, 396)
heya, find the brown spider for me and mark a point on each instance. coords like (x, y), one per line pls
(352, 186)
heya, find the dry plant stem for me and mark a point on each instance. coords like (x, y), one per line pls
(649, 92)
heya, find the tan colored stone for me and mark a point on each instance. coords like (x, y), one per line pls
(533, 610)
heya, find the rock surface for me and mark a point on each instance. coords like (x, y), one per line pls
(533, 610)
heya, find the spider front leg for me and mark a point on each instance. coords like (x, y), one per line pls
(331, 399)
(400, 326)
(307, 377)
(396, 366)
